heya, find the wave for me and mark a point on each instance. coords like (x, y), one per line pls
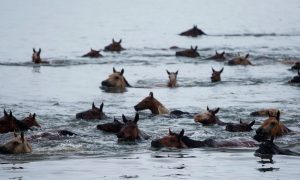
(256, 35)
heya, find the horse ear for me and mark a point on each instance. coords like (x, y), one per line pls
(136, 118)
(213, 70)
(113, 40)
(22, 137)
(251, 124)
(93, 106)
(216, 111)
(120, 41)
(216, 52)
(269, 114)
(151, 94)
(122, 72)
(114, 70)
(124, 119)
(5, 113)
(91, 49)
(196, 47)
(239, 54)
(168, 72)
(272, 139)
(176, 72)
(40, 50)
(33, 116)
(278, 115)
(241, 122)
(223, 53)
(170, 132)
(221, 70)
(181, 133)
(191, 47)
(101, 107)
(207, 108)
(34, 50)
(10, 114)
(247, 55)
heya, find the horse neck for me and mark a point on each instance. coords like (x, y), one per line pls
(172, 83)
(126, 82)
(27, 122)
(192, 143)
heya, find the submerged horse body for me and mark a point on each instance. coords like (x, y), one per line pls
(296, 79)
(271, 127)
(193, 32)
(174, 140)
(116, 80)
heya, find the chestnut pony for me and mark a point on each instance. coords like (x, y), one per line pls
(116, 80)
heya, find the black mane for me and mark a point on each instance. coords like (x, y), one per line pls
(196, 144)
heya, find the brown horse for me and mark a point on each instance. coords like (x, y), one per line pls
(113, 127)
(116, 80)
(296, 79)
(191, 53)
(31, 121)
(218, 56)
(36, 57)
(271, 127)
(172, 78)
(152, 104)
(130, 130)
(194, 32)
(93, 54)
(8, 123)
(16, 146)
(216, 75)
(174, 140)
(240, 60)
(114, 46)
(209, 117)
(94, 113)
(265, 112)
(241, 127)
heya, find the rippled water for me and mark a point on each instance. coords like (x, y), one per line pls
(268, 30)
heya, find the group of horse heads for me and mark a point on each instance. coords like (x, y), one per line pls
(128, 129)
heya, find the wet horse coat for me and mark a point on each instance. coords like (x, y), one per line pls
(17, 145)
(36, 57)
(209, 117)
(152, 104)
(116, 80)
(191, 53)
(94, 113)
(172, 78)
(194, 32)
(240, 60)
(114, 46)
(93, 54)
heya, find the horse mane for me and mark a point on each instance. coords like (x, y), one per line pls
(196, 144)
(126, 82)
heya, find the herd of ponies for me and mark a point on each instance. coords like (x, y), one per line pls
(128, 130)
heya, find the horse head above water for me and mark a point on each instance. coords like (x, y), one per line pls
(17, 145)
(240, 60)
(209, 117)
(152, 104)
(241, 127)
(36, 57)
(114, 46)
(218, 56)
(93, 54)
(31, 121)
(193, 32)
(172, 78)
(216, 75)
(116, 80)
(94, 113)
(192, 52)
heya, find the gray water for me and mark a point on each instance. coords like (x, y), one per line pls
(269, 30)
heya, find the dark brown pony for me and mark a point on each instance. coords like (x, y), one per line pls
(116, 80)
(296, 79)
(114, 46)
(271, 127)
(174, 140)
(94, 113)
(36, 57)
(265, 112)
(296, 66)
(113, 127)
(192, 52)
(93, 54)
(31, 121)
(16, 146)
(209, 117)
(240, 60)
(241, 127)
(218, 56)
(172, 78)
(152, 104)
(8, 123)
(268, 147)
(130, 130)
(194, 32)
(216, 75)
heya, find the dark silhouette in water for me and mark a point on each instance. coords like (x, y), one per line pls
(296, 79)
(8, 123)
(218, 56)
(31, 121)
(36, 57)
(271, 127)
(296, 66)
(93, 54)
(191, 53)
(240, 60)
(130, 130)
(174, 140)
(94, 113)
(216, 75)
(241, 127)
(114, 46)
(113, 127)
(267, 147)
(194, 32)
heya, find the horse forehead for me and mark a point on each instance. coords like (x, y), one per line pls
(270, 120)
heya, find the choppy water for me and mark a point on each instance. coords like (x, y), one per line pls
(269, 30)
